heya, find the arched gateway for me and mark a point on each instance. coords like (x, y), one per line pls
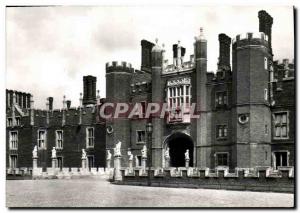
(178, 143)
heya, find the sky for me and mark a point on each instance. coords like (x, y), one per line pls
(50, 49)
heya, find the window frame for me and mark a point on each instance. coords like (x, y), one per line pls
(45, 139)
(9, 122)
(216, 159)
(276, 125)
(179, 96)
(18, 118)
(223, 132)
(217, 98)
(137, 136)
(10, 161)
(274, 157)
(56, 139)
(11, 147)
(88, 137)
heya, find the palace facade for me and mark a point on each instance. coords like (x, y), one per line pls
(246, 110)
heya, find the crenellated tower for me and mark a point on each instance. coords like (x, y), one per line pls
(251, 115)
(118, 78)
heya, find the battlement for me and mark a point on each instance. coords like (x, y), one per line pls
(185, 66)
(251, 38)
(116, 66)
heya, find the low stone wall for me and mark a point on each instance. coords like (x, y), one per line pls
(50, 173)
(252, 179)
(72, 173)
(18, 173)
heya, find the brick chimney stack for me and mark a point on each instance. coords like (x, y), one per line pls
(50, 101)
(146, 55)
(265, 25)
(68, 104)
(224, 51)
(89, 90)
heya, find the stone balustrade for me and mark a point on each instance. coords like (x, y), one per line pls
(57, 173)
(253, 179)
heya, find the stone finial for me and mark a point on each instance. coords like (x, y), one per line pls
(156, 47)
(201, 35)
(80, 99)
(98, 97)
(64, 102)
(47, 103)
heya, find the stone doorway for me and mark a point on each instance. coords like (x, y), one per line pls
(178, 143)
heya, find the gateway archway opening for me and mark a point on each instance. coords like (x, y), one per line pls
(178, 143)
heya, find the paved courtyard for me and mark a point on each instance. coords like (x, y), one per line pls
(100, 193)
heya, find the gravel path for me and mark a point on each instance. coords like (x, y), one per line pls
(100, 193)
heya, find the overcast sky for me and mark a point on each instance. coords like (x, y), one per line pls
(50, 49)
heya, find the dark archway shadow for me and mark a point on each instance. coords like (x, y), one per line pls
(178, 143)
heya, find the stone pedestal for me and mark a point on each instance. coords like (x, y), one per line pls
(144, 163)
(35, 171)
(54, 166)
(130, 164)
(108, 163)
(187, 163)
(54, 163)
(83, 164)
(118, 176)
(34, 163)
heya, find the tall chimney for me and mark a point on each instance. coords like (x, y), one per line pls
(50, 99)
(178, 54)
(265, 25)
(224, 51)
(68, 104)
(98, 97)
(175, 54)
(89, 90)
(146, 55)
